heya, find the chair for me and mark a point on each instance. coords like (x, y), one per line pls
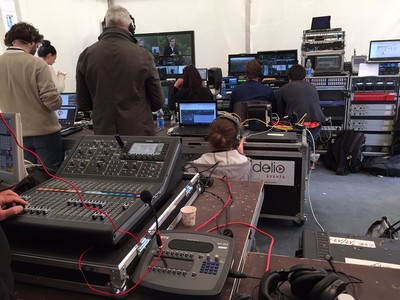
(242, 108)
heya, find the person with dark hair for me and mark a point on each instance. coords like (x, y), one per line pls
(190, 87)
(226, 157)
(10, 205)
(118, 80)
(27, 88)
(252, 89)
(299, 98)
(171, 49)
(49, 55)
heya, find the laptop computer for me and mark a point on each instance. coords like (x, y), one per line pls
(384, 51)
(66, 117)
(68, 98)
(195, 117)
(274, 137)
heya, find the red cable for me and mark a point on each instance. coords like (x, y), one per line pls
(259, 230)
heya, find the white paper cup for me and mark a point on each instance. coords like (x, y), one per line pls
(188, 216)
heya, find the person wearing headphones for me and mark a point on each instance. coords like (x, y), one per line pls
(252, 89)
(27, 88)
(49, 54)
(118, 80)
(226, 157)
(10, 205)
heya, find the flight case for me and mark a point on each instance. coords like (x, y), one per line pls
(281, 159)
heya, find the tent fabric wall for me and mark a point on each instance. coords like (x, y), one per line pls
(221, 27)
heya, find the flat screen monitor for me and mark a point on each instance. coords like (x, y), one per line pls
(328, 63)
(12, 167)
(230, 83)
(203, 73)
(237, 63)
(277, 63)
(384, 51)
(172, 51)
(320, 23)
(68, 98)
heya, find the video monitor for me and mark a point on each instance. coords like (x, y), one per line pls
(172, 51)
(384, 51)
(277, 63)
(203, 73)
(237, 63)
(12, 167)
(230, 83)
(321, 23)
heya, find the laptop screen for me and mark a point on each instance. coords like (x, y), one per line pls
(66, 115)
(197, 113)
(68, 98)
(384, 51)
(328, 63)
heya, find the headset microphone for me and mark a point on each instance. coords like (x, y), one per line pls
(146, 197)
(329, 259)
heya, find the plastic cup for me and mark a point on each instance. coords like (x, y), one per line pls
(188, 216)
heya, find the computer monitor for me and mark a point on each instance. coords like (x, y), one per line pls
(203, 73)
(68, 98)
(320, 23)
(237, 63)
(12, 167)
(172, 64)
(230, 83)
(277, 63)
(384, 51)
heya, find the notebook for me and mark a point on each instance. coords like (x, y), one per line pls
(274, 137)
(68, 98)
(66, 116)
(195, 118)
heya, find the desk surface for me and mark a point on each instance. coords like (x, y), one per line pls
(378, 283)
(245, 208)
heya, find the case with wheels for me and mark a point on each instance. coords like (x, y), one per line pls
(281, 159)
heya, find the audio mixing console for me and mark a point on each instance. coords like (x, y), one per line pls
(110, 177)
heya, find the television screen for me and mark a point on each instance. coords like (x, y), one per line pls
(237, 63)
(277, 63)
(172, 51)
(384, 51)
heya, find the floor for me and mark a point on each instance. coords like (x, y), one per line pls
(341, 204)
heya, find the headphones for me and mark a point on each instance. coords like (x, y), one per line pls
(305, 283)
(132, 27)
(235, 121)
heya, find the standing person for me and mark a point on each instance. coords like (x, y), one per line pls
(171, 49)
(15, 206)
(118, 80)
(26, 87)
(301, 98)
(252, 89)
(49, 54)
(226, 156)
(190, 87)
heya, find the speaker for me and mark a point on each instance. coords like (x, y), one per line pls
(262, 112)
(214, 78)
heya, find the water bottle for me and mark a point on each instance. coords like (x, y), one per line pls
(160, 119)
(223, 88)
(308, 68)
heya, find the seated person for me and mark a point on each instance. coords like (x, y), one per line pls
(252, 89)
(171, 49)
(190, 87)
(300, 98)
(226, 157)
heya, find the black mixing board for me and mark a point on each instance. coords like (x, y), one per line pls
(110, 178)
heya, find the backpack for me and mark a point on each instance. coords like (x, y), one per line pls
(385, 166)
(344, 154)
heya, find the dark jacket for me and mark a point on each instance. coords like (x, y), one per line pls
(6, 276)
(118, 80)
(186, 94)
(299, 97)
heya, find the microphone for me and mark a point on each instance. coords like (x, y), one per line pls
(329, 259)
(146, 197)
(119, 140)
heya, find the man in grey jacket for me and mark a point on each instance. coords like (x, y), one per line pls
(118, 80)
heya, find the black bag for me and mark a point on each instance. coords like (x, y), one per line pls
(385, 166)
(396, 138)
(344, 154)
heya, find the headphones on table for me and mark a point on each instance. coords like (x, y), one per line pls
(305, 281)
(235, 121)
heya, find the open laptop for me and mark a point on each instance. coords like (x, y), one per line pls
(195, 117)
(68, 98)
(66, 117)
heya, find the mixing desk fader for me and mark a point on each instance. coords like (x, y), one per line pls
(110, 179)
